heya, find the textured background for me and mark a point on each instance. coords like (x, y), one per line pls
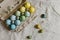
(51, 25)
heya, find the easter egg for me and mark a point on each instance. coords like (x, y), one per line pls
(17, 13)
(13, 27)
(32, 9)
(27, 14)
(8, 21)
(22, 9)
(27, 5)
(22, 18)
(17, 22)
(13, 17)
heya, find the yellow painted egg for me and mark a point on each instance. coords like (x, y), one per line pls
(32, 9)
(27, 5)
(22, 9)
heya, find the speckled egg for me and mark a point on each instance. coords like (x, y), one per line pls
(8, 21)
(22, 9)
(27, 14)
(22, 18)
(17, 13)
(32, 9)
(13, 27)
(17, 22)
(27, 5)
(13, 17)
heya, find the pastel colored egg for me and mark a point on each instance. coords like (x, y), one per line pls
(32, 9)
(8, 21)
(13, 27)
(27, 14)
(17, 22)
(22, 18)
(17, 13)
(13, 17)
(27, 5)
(22, 9)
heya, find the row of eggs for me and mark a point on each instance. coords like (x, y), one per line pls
(16, 19)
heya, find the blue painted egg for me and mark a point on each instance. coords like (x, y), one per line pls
(17, 22)
(8, 21)
(13, 27)
(27, 14)
(17, 13)
(13, 17)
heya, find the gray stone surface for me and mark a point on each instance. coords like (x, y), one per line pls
(51, 25)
